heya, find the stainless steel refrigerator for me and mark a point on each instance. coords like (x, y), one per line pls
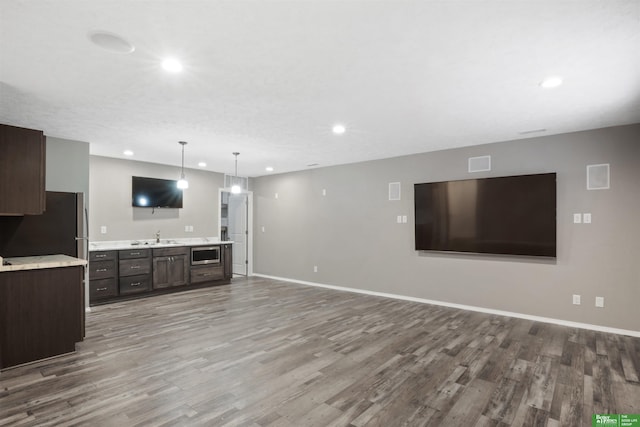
(61, 229)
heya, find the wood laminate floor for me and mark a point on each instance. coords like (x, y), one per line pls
(266, 353)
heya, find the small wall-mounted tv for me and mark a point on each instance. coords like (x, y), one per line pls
(512, 215)
(155, 193)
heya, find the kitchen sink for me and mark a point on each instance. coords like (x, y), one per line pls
(163, 242)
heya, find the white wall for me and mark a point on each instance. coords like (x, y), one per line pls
(110, 205)
(352, 236)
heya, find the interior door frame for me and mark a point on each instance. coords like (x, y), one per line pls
(249, 224)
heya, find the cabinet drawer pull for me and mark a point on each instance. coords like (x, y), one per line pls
(135, 267)
(101, 270)
(136, 284)
(134, 253)
(101, 256)
(101, 289)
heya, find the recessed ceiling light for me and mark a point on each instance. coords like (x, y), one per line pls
(339, 129)
(111, 42)
(551, 82)
(202, 164)
(172, 65)
(127, 153)
(269, 169)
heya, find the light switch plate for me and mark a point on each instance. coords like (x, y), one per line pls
(600, 302)
(399, 219)
(577, 218)
(404, 219)
(103, 229)
(586, 218)
(576, 299)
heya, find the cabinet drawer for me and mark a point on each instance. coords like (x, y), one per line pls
(205, 274)
(102, 255)
(133, 267)
(133, 284)
(102, 288)
(170, 251)
(102, 269)
(134, 253)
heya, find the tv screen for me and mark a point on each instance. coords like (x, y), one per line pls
(155, 193)
(513, 215)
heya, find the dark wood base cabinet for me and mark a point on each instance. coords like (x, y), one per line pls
(135, 273)
(41, 314)
(170, 267)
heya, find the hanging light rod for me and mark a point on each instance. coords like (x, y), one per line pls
(236, 188)
(182, 182)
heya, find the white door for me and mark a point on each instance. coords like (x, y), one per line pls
(237, 229)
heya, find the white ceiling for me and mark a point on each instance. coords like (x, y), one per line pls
(269, 78)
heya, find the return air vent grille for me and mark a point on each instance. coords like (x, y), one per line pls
(480, 164)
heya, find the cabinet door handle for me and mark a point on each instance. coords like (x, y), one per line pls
(101, 289)
(136, 284)
(135, 253)
(101, 270)
(101, 256)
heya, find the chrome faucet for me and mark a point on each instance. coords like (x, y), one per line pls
(158, 236)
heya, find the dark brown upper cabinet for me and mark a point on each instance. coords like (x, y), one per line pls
(22, 171)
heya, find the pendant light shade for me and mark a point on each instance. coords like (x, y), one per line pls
(236, 188)
(182, 182)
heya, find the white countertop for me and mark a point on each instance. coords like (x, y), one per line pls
(113, 245)
(40, 262)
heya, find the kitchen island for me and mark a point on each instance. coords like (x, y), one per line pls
(41, 308)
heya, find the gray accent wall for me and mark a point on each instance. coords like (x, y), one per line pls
(67, 166)
(110, 181)
(352, 236)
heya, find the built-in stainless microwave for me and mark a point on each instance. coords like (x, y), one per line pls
(205, 255)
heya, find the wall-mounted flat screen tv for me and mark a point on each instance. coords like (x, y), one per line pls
(512, 215)
(155, 193)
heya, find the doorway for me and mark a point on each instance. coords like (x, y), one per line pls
(235, 225)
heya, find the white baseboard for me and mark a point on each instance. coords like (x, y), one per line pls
(464, 307)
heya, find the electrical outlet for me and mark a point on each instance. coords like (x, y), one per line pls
(577, 218)
(324, 191)
(576, 299)
(600, 302)
(586, 218)
(263, 228)
(276, 195)
(315, 268)
(103, 229)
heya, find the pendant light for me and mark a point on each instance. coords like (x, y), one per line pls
(182, 182)
(236, 188)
